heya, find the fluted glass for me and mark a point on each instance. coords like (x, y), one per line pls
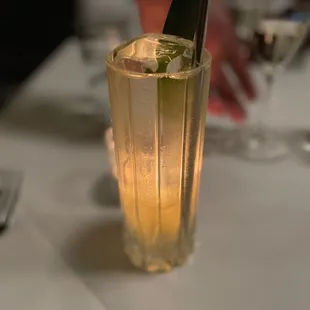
(158, 128)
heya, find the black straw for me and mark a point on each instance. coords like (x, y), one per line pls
(187, 19)
(200, 33)
(182, 19)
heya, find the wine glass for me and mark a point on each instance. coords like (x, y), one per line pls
(299, 141)
(300, 145)
(275, 42)
(100, 27)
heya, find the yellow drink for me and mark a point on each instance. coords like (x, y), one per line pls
(158, 125)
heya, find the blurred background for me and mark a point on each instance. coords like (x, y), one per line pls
(62, 249)
(31, 31)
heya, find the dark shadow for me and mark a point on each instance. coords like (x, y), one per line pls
(98, 248)
(105, 191)
(3, 229)
(65, 118)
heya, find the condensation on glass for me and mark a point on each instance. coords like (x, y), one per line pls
(158, 126)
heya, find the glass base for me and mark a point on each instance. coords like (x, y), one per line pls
(162, 257)
(300, 146)
(256, 144)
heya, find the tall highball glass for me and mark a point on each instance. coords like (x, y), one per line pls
(158, 103)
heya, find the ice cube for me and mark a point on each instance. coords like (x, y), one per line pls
(154, 53)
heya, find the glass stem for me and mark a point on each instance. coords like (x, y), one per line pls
(269, 76)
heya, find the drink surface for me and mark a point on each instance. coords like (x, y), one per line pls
(158, 123)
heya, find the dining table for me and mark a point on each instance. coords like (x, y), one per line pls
(63, 248)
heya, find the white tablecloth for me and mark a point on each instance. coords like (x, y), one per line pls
(63, 251)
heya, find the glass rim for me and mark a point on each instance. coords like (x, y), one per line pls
(134, 74)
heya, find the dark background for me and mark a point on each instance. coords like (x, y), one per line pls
(29, 31)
